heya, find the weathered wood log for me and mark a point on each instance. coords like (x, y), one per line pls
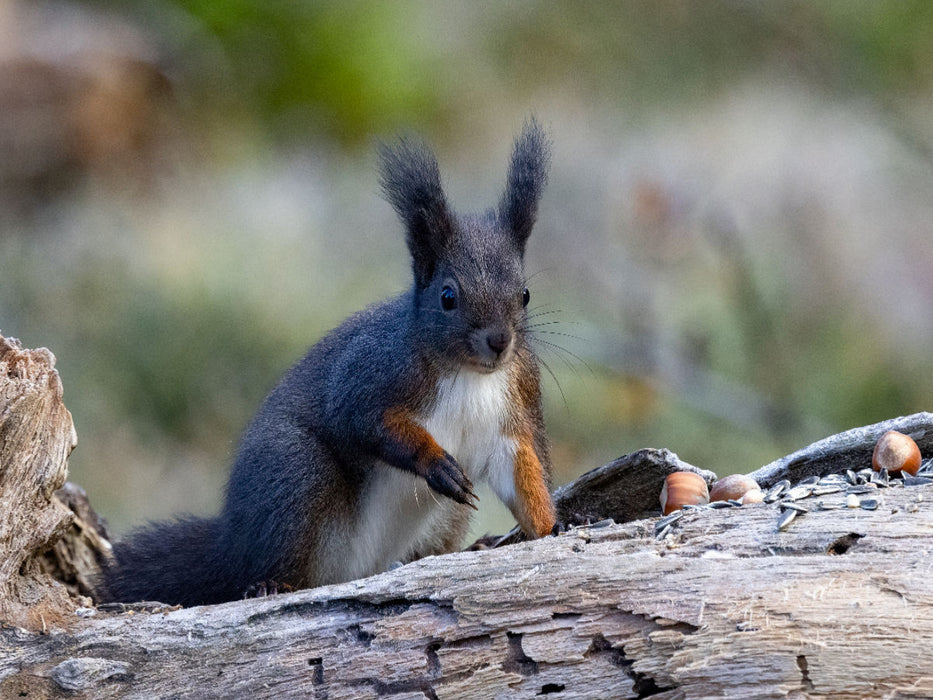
(838, 605)
(849, 450)
(76, 558)
(728, 604)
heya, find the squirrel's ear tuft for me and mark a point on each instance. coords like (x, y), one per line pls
(528, 170)
(411, 182)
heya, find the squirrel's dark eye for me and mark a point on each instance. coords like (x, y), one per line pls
(526, 296)
(448, 298)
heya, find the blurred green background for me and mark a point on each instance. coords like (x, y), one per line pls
(736, 242)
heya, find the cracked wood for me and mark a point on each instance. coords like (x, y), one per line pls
(728, 607)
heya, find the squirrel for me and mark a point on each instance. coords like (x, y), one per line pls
(366, 451)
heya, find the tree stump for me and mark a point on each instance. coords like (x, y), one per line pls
(36, 437)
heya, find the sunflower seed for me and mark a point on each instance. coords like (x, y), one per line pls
(716, 505)
(799, 492)
(917, 480)
(787, 517)
(810, 481)
(828, 489)
(779, 488)
(605, 522)
(790, 505)
(668, 520)
(823, 505)
(664, 532)
(869, 504)
(851, 477)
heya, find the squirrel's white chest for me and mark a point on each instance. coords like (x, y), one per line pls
(468, 420)
(399, 513)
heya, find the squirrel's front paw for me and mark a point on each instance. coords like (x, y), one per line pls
(446, 477)
(262, 589)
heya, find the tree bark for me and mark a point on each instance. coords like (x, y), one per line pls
(36, 437)
(838, 604)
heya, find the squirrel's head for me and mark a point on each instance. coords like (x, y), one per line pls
(470, 287)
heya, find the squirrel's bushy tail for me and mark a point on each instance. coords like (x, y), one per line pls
(175, 562)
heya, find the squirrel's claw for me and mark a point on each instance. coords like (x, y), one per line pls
(447, 478)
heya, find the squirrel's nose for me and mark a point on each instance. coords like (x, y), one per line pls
(498, 341)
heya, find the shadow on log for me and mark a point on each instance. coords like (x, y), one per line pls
(836, 604)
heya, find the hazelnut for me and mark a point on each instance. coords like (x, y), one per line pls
(753, 496)
(682, 489)
(896, 452)
(733, 486)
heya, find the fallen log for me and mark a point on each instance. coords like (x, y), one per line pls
(835, 604)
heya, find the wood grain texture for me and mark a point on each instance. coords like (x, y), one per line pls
(728, 606)
(36, 437)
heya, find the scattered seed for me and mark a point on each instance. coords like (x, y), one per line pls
(828, 489)
(799, 492)
(823, 505)
(601, 523)
(787, 517)
(853, 484)
(716, 505)
(668, 520)
(779, 488)
(790, 505)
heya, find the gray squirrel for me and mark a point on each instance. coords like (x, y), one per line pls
(365, 452)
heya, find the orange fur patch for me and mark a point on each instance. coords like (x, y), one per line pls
(401, 425)
(534, 508)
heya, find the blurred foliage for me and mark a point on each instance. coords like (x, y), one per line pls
(177, 287)
(344, 69)
(353, 69)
